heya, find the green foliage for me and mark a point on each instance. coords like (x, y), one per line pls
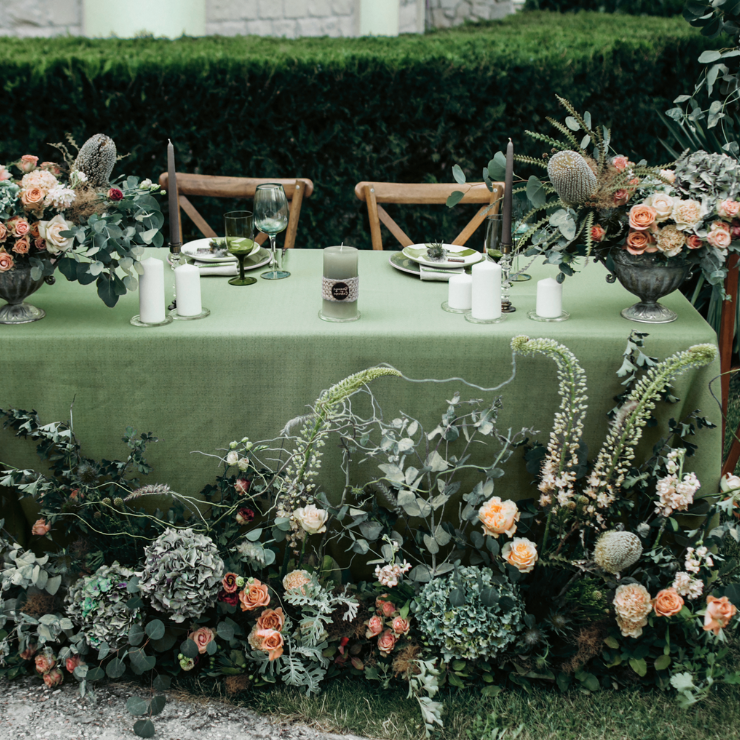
(274, 107)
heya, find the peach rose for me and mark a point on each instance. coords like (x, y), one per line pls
(268, 641)
(22, 245)
(45, 661)
(19, 226)
(71, 663)
(521, 553)
(621, 197)
(271, 619)
(642, 217)
(386, 643)
(694, 242)
(32, 198)
(296, 580)
(728, 208)
(27, 163)
(686, 213)
(52, 167)
(254, 595)
(498, 517)
(597, 233)
(400, 626)
(667, 603)
(34, 230)
(374, 626)
(53, 678)
(719, 613)
(201, 637)
(6, 261)
(632, 604)
(663, 205)
(3, 232)
(40, 527)
(51, 231)
(229, 583)
(29, 652)
(621, 163)
(719, 238)
(385, 607)
(4, 173)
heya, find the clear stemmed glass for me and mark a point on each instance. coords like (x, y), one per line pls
(239, 232)
(271, 217)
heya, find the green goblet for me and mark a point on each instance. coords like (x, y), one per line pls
(239, 231)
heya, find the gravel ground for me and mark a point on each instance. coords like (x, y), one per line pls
(30, 710)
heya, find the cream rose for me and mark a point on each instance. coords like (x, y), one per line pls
(51, 230)
(686, 213)
(498, 517)
(521, 553)
(729, 483)
(662, 204)
(311, 518)
(632, 604)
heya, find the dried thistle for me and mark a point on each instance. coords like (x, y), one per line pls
(405, 662)
(38, 604)
(236, 684)
(436, 252)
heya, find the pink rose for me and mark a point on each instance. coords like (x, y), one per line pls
(719, 613)
(735, 229)
(29, 652)
(40, 527)
(201, 637)
(694, 242)
(3, 232)
(53, 678)
(384, 607)
(242, 486)
(621, 163)
(27, 163)
(6, 261)
(18, 226)
(719, 238)
(71, 663)
(386, 643)
(115, 194)
(4, 173)
(400, 626)
(621, 197)
(728, 208)
(22, 245)
(374, 626)
(40, 244)
(52, 167)
(45, 661)
(597, 233)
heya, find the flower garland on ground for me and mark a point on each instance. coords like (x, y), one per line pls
(240, 584)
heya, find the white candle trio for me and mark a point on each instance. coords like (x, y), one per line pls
(549, 306)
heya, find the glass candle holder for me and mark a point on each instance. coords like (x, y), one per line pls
(340, 285)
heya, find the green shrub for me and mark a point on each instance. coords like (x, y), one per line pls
(631, 7)
(343, 110)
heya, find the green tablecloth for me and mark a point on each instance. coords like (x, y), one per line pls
(263, 354)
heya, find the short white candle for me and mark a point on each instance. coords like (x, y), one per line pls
(460, 292)
(187, 290)
(151, 291)
(486, 298)
(549, 298)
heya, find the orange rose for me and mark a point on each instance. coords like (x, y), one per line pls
(521, 553)
(719, 613)
(639, 242)
(22, 246)
(271, 619)
(34, 230)
(40, 527)
(498, 517)
(254, 595)
(201, 637)
(667, 603)
(268, 641)
(32, 198)
(694, 242)
(642, 217)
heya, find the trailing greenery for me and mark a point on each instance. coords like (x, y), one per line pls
(630, 7)
(342, 110)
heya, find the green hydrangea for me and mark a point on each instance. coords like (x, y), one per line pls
(182, 574)
(97, 604)
(470, 613)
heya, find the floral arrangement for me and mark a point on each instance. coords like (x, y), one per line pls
(596, 202)
(72, 216)
(613, 570)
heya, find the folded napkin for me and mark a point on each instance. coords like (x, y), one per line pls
(435, 273)
(224, 270)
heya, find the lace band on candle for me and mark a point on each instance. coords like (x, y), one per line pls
(345, 290)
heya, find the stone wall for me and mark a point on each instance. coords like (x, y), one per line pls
(289, 18)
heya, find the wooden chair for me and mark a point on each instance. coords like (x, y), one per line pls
(726, 341)
(236, 187)
(375, 193)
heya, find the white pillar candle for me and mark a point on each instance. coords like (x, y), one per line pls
(486, 294)
(460, 290)
(151, 291)
(340, 264)
(187, 290)
(549, 298)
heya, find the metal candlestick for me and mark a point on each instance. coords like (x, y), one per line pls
(176, 259)
(506, 306)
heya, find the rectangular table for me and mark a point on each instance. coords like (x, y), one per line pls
(263, 355)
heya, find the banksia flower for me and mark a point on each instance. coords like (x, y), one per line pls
(96, 159)
(617, 551)
(572, 178)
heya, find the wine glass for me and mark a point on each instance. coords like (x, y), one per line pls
(271, 217)
(239, 230)
(519, 208)
(494, 231)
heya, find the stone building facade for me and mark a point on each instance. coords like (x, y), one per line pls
(289, 18)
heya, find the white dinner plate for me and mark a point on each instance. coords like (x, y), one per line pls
(191, 250)
(418, 252)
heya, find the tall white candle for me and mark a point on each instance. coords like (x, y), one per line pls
(460, 288)
(187, 289)
(486, 298)
(340, 263)
(151, 291)
(549, 298)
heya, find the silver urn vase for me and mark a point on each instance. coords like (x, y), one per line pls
(649, 278)
(15, 286)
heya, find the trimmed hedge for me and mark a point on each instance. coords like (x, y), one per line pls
(631, 7)
(343, 110)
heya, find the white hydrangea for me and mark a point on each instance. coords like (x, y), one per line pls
(60, 197)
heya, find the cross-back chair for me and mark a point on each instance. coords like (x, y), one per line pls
(374, 194)
(296, 189)
(726, 341)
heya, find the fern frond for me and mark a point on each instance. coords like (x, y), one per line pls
(565, 131)
(530, 160)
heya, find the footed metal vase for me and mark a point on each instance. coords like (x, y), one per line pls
(15, 286)
(649, 278)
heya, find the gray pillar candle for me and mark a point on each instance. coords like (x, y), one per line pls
(175, 238)
(508, 194)
(340, 263)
